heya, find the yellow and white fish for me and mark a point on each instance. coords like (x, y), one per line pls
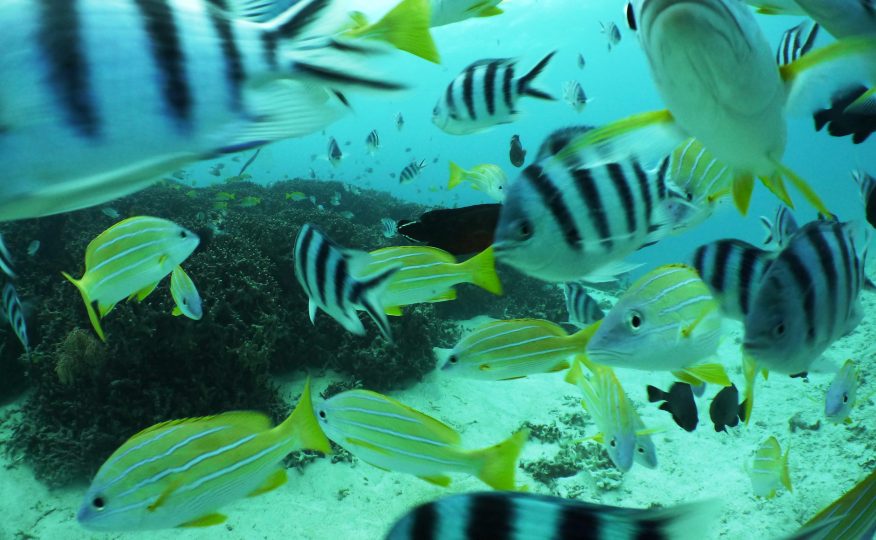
(511, 349)
(427, 274)
(185, 294)
(179, 473)
(489, 178)
(769, 469)
(392, 436)
(666, 321)
(129, 260)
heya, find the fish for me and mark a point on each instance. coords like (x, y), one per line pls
(411, 171)
(611, 410)
(679, 402)
(181, 472)
(185, 295)
(194, 81)
(565, 220)
(459, 231)
(14, 314)
(346, 214)
(667, 320)
(427, 274)
(389, 227)
(725, 410)
(850, 516)
(867, 185)
(296, 196)
(479, 515)
(335, 199)
(215, 171)
(372, 142)
(446, 12)
(780, 229)
(6, 264)
(796, 42)
(392, 436)
(612, 34)
(399, 121)
(582, 62)
(852, 111)
(809, 296)
(574, 95)
(582, 308)
(512, 349)
(703, 180)
(249, 201)
(335, 155)
(220, 205)
(224, 196)
(33, 248)
(558, 140)
(733, 271)
(841, 18)
(842, 394)
(248, 162)
(769, 469)
(128, 260)
(486, 177)
(326, 272)
(110, 212)
(517, 154)
(405, 27)
(477, 100)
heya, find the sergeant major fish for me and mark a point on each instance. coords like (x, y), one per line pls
(185, 295)
(389, 227)
(781, 229)
(733, 271)
(867, 185)
(574, 95)
(411, 171)
(372, 142)
(334, 153)
(6, 260)
(612, 34)
(582, 308)
(14, 314)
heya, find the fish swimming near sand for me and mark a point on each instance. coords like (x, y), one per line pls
(733, 271)
(725, 410)
(842, 394)
(679, 402)
(769, 469)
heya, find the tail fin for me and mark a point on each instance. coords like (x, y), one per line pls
(655, 394)
(680, 522)
(524, 83)
(749, 369)
(500, 461)
(303, 427)
(406, 27)
(372, 288)
(709, 373)
(482, 268)
(92, 314)
(582, 338)
(768, 225)
(786, 473)
(456, 174)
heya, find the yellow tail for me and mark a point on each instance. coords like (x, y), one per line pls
(582, 338)
(406, 27)
(456, 174)
(303, 426)
(482, 268)
(749, 369)
(92, 315)
(786, 473)
(500, 461)
(708, 373)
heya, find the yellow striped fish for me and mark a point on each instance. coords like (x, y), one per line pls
(502, 350)
(178, 473)
(666, 321)
(850, 516)
(705, 181)
(185, 295)
(769, 469)
(128, 260)
(428, 274)
(392, 436)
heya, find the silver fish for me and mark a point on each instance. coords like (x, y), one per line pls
(842, 393)
(582, 308)
(411, 171)
(389, 227)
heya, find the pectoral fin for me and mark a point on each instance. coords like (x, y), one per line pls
(442, 481)
(275, 480)
(206, 521)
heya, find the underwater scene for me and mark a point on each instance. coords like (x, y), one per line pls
(438, 269)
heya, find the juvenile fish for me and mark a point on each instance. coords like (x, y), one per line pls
(612, 34)
(842, 393)
(769, 469)
(185, 295)
(488, 178)
(411, 171)
(14, 314)
(517, 154)
(574, 95)
(725, 410)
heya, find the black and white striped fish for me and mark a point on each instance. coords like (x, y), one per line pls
(527, 516)
(565, 219)
(116, 93)
(6, 260)
(583, 309)
(15, 314)
(796, 42)
(389, 227)
(809, 296)
(325, 271)
(868, 192)
(732, 269)
(411, 171)
(780, 229)
(485, 94)
(334, 153)
(372, 142)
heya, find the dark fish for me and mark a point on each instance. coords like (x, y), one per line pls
(679, 402)
(510, 515)
(517, 153)
(725, 409)
(843, 119)
(732, 269)
(460, 231)
(249, 162)
(868, 192)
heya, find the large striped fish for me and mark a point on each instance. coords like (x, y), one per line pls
(327, 272)
(100, 98)
(387, 434)
(129, 260)
(809, 296)
(485, 94)
(733, 270)
(179, 473)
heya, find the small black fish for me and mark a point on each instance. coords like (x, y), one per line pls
(842, 120)
(679, 402)
(517, 153)
(460, 231)
(725, 409)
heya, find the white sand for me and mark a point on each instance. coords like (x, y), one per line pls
(350, 501)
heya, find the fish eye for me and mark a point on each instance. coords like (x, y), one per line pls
(322, 414)
(635, 320)
(185, 302)
(98, 503)
(523, 228)
(183, 234)
(631, 16)
(845, 398)
(779, 330)
(613, 443)
(453, 359)
(640, 450)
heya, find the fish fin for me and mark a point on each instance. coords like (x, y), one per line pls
(176, 312)
(574, 374)
(371, 302)
(524, 83)
(749, 370)
(405, 27)
(439, 480)
(500, 461)
(491, 12)
(743, 186)
(710, 373)
(803, 187)
(581, 338)
(482, 268)
(655, 394)
(686, 377)
(275, 480)
(311, 310)
(456, 175)
(786, 473)
(688, 330)
(206, 521)
(303, 426)
(393, 311)
(611, 271)
(864, 104)
(146, 291)
(163, 496)
(447, 296)
(768, 225)
(561, 366)
(89, 307)
(370, 446)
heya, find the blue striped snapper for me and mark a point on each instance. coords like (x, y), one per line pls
(327, 273)
(842, 394)
(780, 229)
(769, 469)
(392, 436)
(666, 321)
(14, 315)
(129, 260)
(189, 81)
(850, 516)
(511, 349)
(485, 94)
(445, 12)
(179, 473)
(185, 295)
(733, 270)
(427, 274)
(582, 308)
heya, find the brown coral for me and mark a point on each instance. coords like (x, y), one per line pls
(78, 355)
